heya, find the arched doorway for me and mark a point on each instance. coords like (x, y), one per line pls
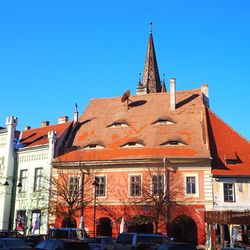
(104, 227)
(141, 224)
(184, 229)
(69, 222)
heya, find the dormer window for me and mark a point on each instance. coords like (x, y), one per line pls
(132, 144)
(163, 121)
(118, 125)
(232, 158)
(94, 146)
(173, 143)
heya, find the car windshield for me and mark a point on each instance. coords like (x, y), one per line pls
(149, 239)
(77, 234)
(125, 238)
(94, 240)
(15, 243)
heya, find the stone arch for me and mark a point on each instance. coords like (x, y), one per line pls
(104, 227)
(184, 229)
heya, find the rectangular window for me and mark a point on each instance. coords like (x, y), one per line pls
(229, 192)
(190, 185)
(101, 185)
(157, 184)
(23, 180)
(74, 186)
(38, 179)
(135, 185)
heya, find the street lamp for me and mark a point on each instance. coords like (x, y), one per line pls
(6, 183)
(95, 184)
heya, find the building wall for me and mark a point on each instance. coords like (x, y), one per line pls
(241, 193)
(117, 202)
(30, 200)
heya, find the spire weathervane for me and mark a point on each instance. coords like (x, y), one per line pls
(151, 24)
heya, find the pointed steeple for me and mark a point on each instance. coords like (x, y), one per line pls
(151, 78)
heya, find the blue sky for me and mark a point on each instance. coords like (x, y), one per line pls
(55, 53)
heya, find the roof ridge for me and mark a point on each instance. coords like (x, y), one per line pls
(148, 94)
(52, 125)
(229, 126)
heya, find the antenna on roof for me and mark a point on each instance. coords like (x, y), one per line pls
(125, 97)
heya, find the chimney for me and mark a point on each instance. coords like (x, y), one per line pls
(63, 119)
(172, 94)
(27, 128)
(44, 123)
(204, 91)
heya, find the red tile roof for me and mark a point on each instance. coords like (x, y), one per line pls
(230, 151)
(140, 116)
(39, 136)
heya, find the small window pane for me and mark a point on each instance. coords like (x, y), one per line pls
(190, 185)
(73, 186)
(38, 179)
(229, 192)
(23, 180)
(101, 185)
(157, 184)
(135, 185)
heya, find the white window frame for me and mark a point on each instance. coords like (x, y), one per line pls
(105, 186)
(23, 180)
(73, 184)
(233, 192)
(38, 179)
(129, 185)
(197, 191)
(163, 183)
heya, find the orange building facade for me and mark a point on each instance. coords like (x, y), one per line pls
(148, 156)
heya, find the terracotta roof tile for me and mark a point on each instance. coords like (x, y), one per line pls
(142, 112)
(230, 151)
(39, 136)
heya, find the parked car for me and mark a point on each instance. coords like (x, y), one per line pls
(62, 244)
(67, 233)
(10, 234)
(128, 241)
(13, 244)
(34, 239)
(176, 246)
(233, 248)
(101, 243)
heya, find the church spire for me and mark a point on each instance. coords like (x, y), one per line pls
(151, 78)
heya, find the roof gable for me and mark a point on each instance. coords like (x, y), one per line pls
(39, 136)
(229, 150)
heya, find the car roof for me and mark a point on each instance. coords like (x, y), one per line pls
(10, 238)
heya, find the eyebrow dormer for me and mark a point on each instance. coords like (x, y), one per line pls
(132, 144)
(174, 142)
(118, 124)
(163, 121)
(94, 146)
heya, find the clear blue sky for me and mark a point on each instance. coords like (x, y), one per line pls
(55, 53)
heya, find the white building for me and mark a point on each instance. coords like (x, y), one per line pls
(34, 154)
